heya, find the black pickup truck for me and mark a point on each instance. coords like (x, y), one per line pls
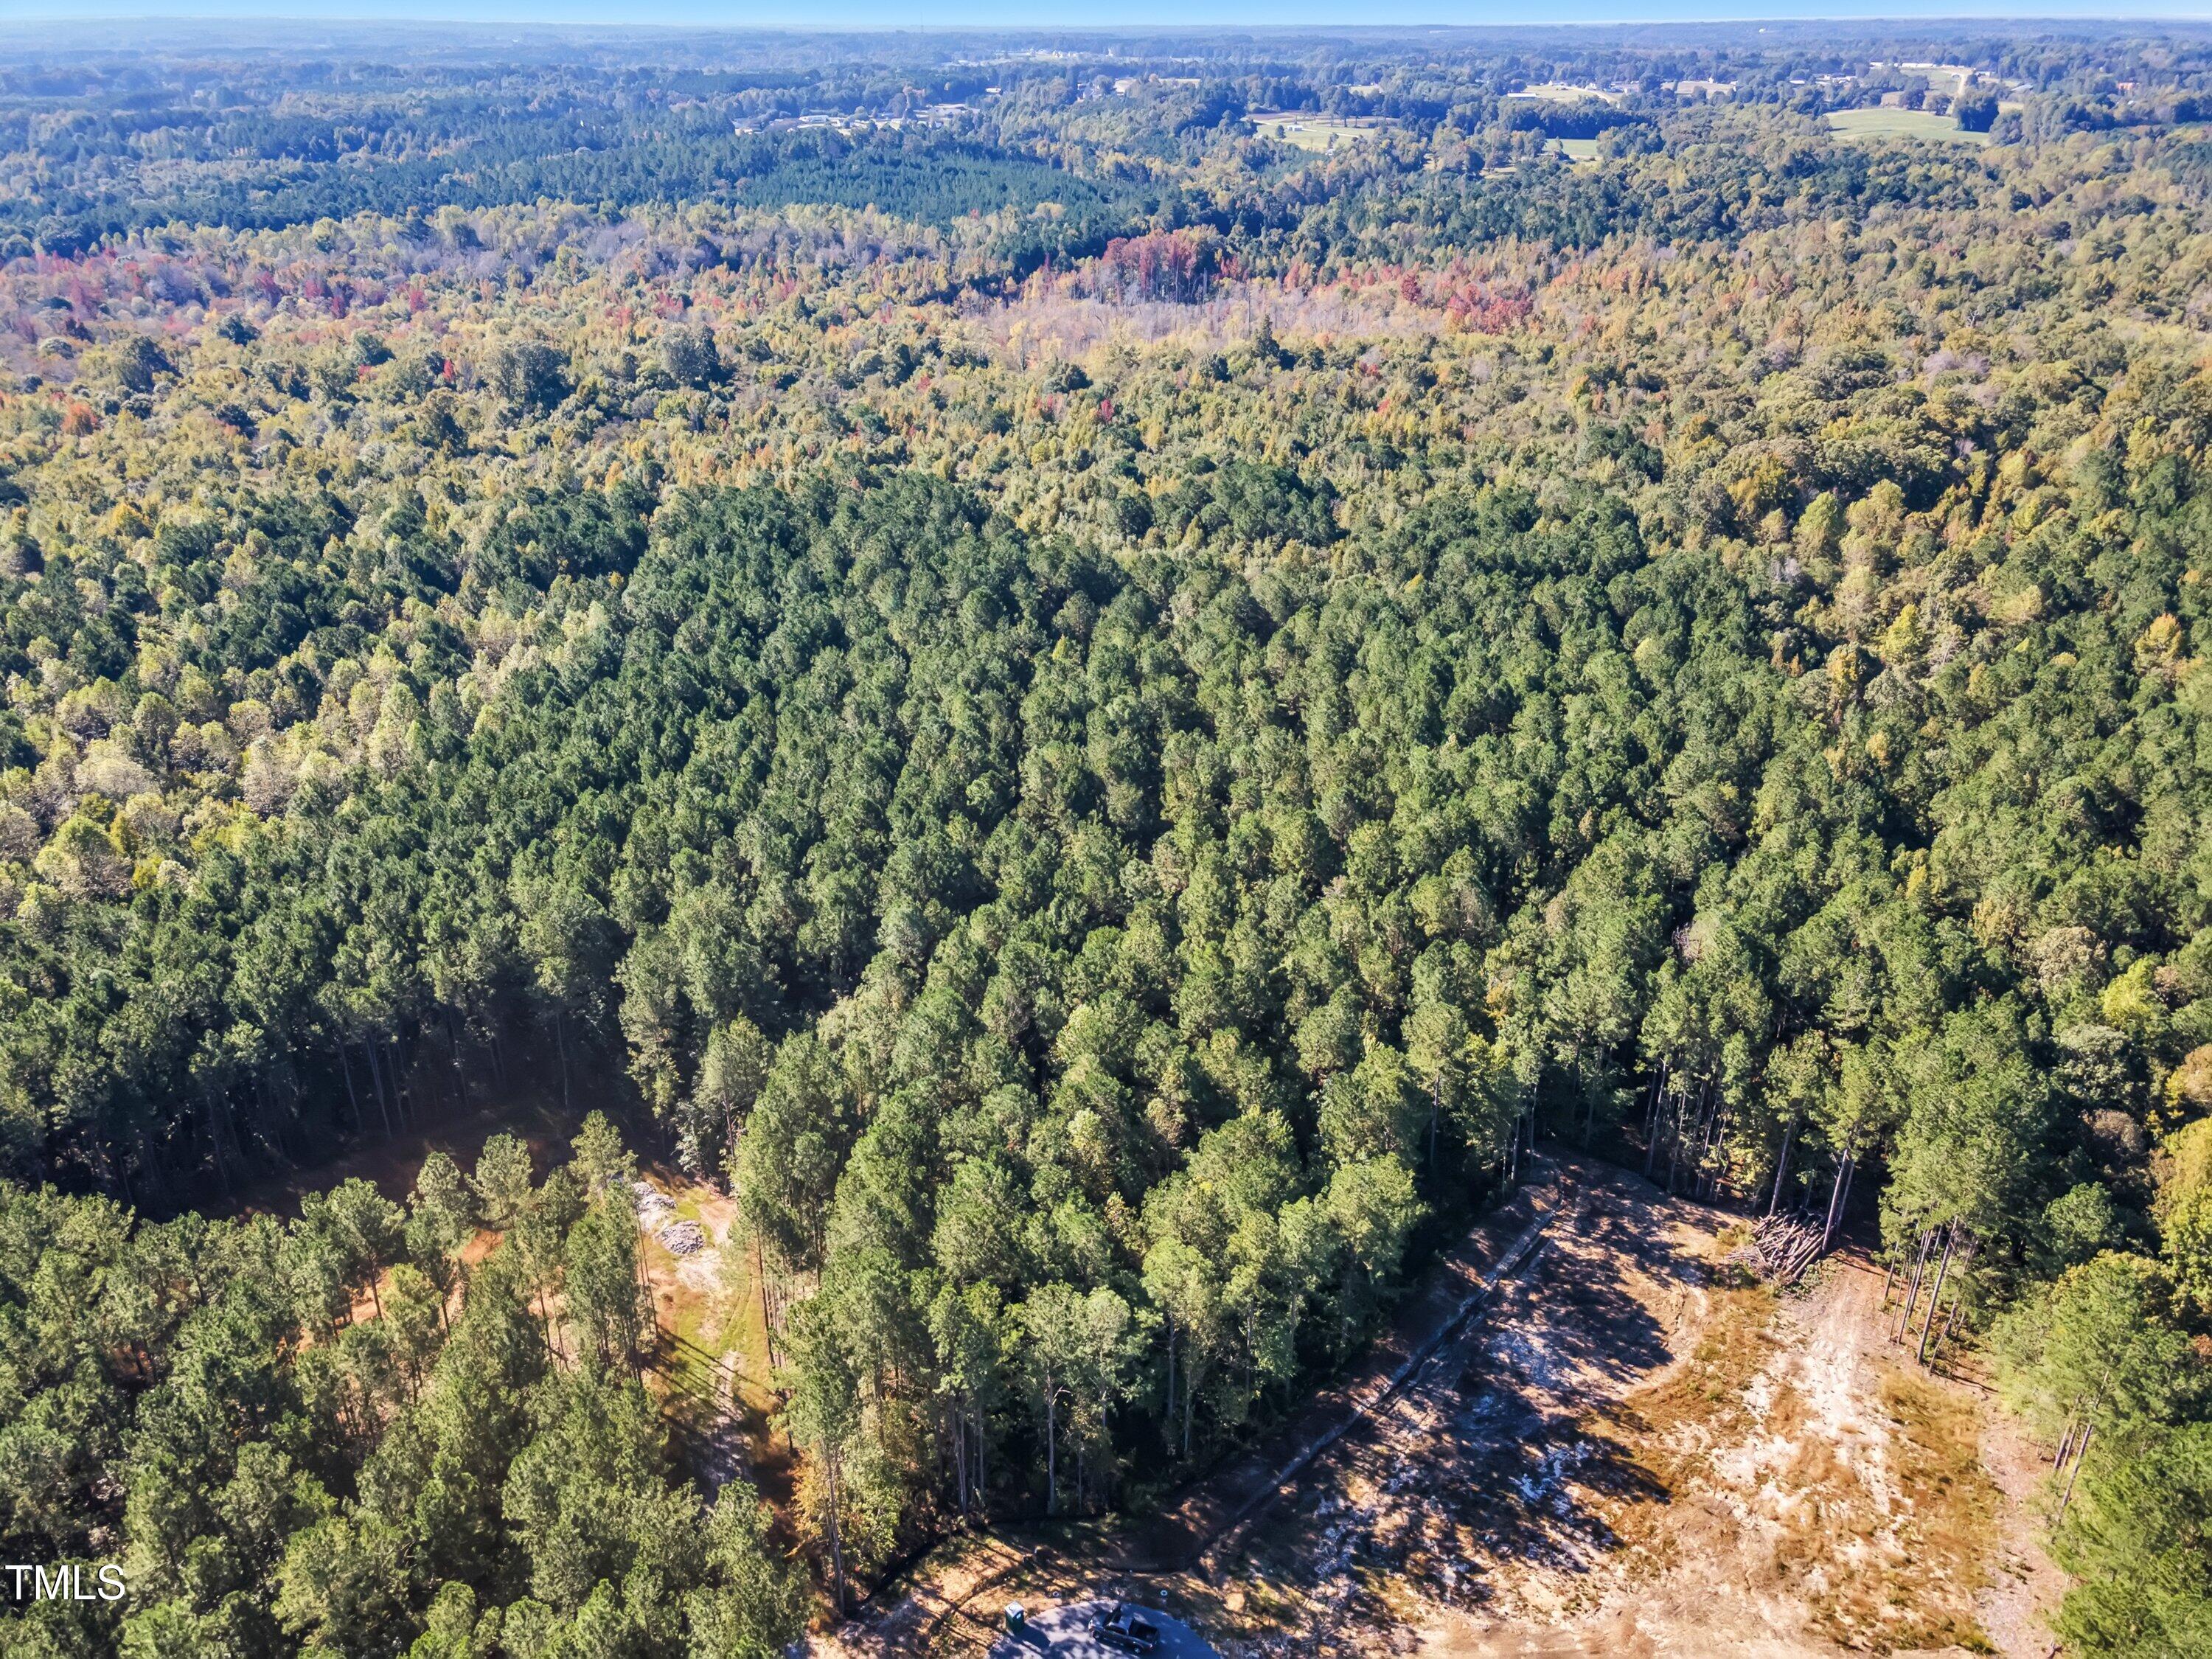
(1123, 1627)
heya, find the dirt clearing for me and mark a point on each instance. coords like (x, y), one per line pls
(1635, 1449)
(1643, 1451)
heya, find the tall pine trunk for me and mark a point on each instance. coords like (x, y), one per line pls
(214, 1139)
(1654, 1117)
(1950, 1236)
(376, 1086)
(1051, 1449)
(836, 1540)
(1167, 1414)
(1782, 1165)
(353, 1100)
(561, 1042)
(1912, 1294)
(1842, 1186)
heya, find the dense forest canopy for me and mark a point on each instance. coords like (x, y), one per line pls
(1099, 674)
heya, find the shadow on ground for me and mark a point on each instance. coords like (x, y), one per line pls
(1064, 1632)
(1492, 1458)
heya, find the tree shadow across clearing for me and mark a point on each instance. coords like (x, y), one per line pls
(1494, 1458)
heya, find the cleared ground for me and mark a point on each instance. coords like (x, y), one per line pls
(1870, 124)
(1558, 92)
(709, 1364)
(1316, 132)
(1629, 1448)
(1633, 1449)
(1644, 1452)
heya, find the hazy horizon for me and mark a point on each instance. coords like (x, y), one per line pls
(1094, 16)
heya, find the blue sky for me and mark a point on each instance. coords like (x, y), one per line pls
(1075, 14)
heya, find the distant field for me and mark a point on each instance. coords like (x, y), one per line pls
(1558, 92)
(1859, 123)
(1577, 149)
(1315, 132)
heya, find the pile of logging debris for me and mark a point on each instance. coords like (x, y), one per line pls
(1786, 1246)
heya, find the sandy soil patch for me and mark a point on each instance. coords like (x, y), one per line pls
(1644, 1452)
(1635, 1449)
